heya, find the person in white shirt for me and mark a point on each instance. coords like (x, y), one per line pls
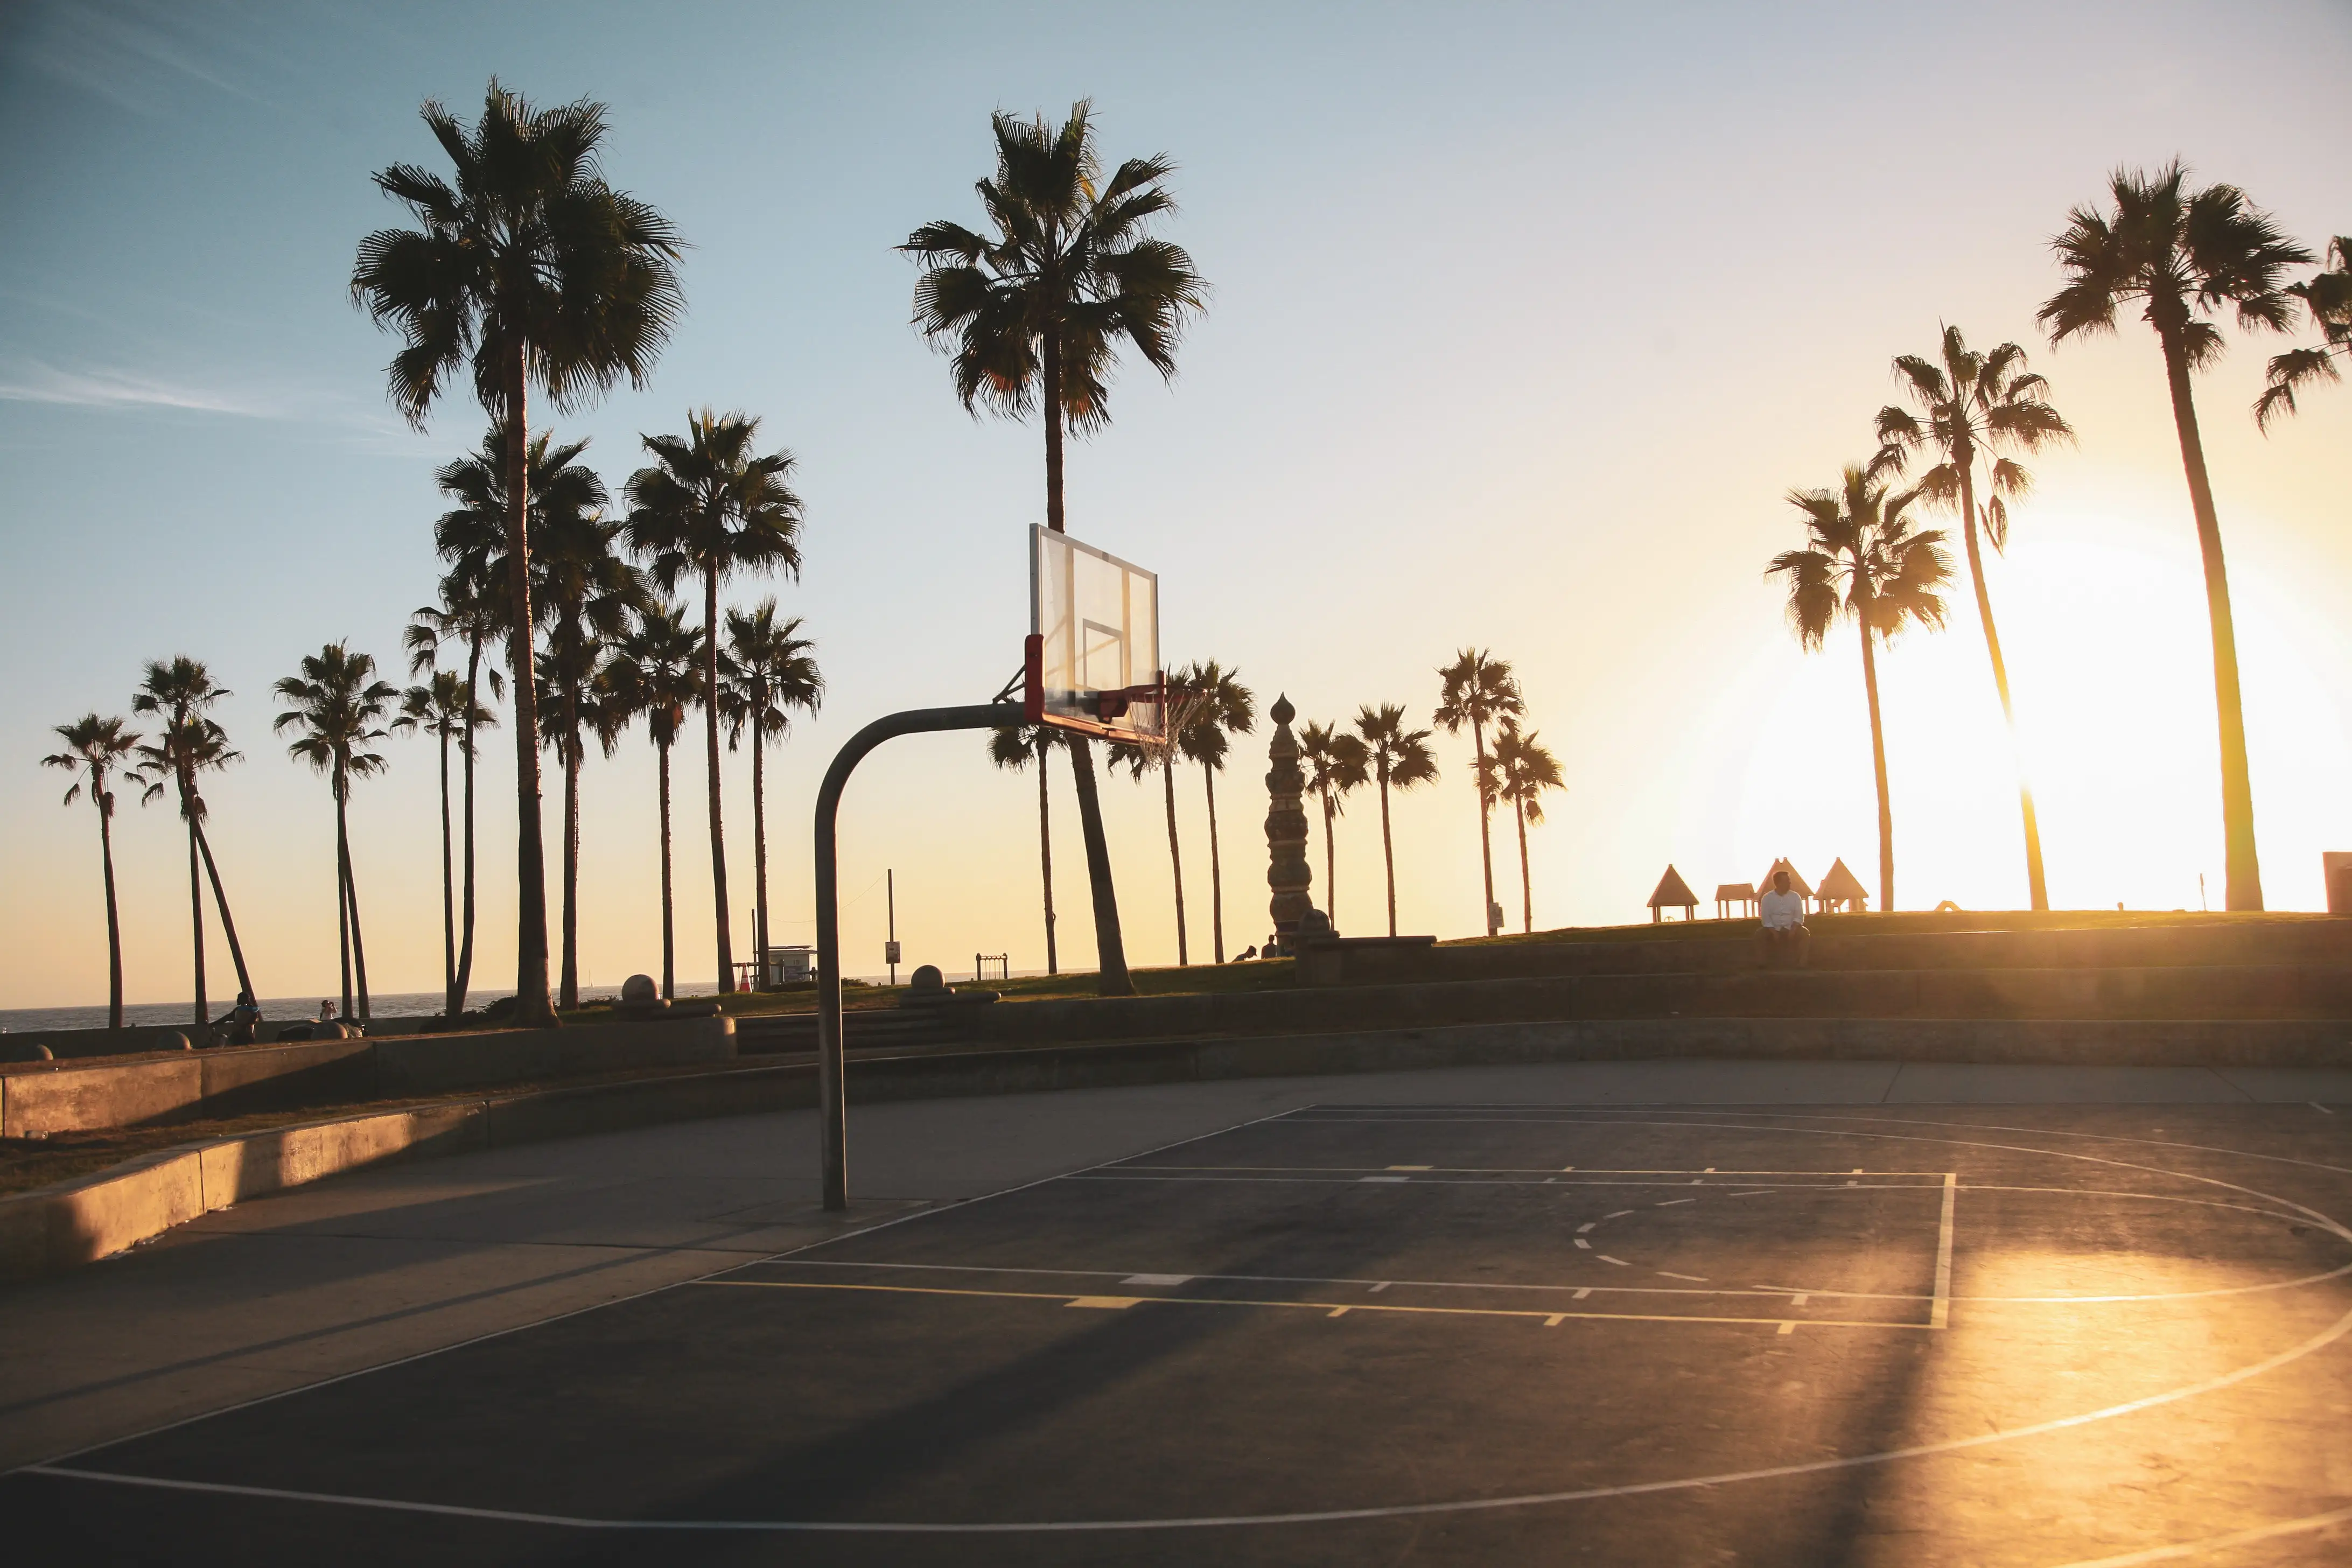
(1785, 936)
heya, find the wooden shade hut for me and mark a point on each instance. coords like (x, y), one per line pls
(1843, 889)
(1797, 884)
(1672, 893)
(1730, 893)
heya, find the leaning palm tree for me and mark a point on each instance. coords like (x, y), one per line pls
(1337, 762)
(190, 745)
(530, 268)
(1862, 560)
(1217, 707)
(1520, 770)
(1975, 409)
(338, 712)
(2182, 254)
(441, 708)
(708, 505)
(766, 671)
(1033, 313)
(652, 672)
(2328, 300)
(1015, 746)
(94, 748)
(1478, 690)
(1400, 759)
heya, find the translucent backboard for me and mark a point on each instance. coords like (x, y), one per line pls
(1093, 657)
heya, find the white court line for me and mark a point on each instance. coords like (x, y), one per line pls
(1672, 1202)
(2319, 1108)
(2218, 1543)
(1618, 1261)
(1939, 1315)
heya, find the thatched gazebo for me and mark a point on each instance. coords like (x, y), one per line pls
(1843, 888)
(1797, 884)
(1730, 893)
(1672, 893)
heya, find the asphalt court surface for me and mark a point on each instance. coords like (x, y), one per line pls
(1415, 1333)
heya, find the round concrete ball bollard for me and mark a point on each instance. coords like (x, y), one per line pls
(927, 978)
(174, 1041)
(638, 991)
(43, 1054)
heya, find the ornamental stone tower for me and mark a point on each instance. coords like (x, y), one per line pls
(1288, 872)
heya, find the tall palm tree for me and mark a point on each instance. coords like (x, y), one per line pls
(2182, 254)
(1015, 746)
(1218, 707)
(530, 269)
(190, 745)
(1144, 757)
(1520, 770)
(1477, 690)
(766, 671)
(2327, 298)
(1337, 762)
(470, 618)
(708, 505)
(94, 748)
(441, 708)
(338, 712)
(1400, 759)
(652, 672)
(1861, 559)
(1034, 313)
(1975, 408)
(589, 591)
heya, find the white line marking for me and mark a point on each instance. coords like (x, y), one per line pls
(1379, 1287)
(1799, 1299)
(1337, 1312)
(1157, 1279)
(2219, 1542)
(1553, 1322)
(1939, 1316)
(1580, 1295)
(1618, 1261)
(1621, 1213)
(1694, 1279)
(1752, 1192)
(1409, 1167)
(1587, 1225)
(2319, 1108)
(1383, 1178)
(1788, 1328)
(1585, 1243)
(1672, 1202)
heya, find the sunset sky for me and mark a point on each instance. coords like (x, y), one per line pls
(1525, 320)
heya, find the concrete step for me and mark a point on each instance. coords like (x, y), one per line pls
(864, 1028)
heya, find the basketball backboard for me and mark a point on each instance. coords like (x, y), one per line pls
(1092, 661)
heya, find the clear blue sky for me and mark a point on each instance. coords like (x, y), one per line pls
(1526, 317)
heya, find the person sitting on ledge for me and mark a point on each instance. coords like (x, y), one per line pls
(1785, 936)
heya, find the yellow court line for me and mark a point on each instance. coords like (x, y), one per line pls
(1325, 1307)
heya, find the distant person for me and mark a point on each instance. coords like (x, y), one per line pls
(326, 1011)
(1786, 940)
(242, 1020)
(1246, 953)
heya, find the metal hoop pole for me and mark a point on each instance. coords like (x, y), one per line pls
(832, 1121)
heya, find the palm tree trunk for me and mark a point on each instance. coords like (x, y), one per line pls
(1388, 849)
(710, 729)
(463, 981)
(568, 996)
(2037, 888)
(1175, 860)
(343, 893)
(1110, 951)
(1216, 871)
(2242, 869)
(448, 892)
(359, 943)
(1054, 432)
(197, 912)
(1331, 866)
(1486, 922)
(220, 901)
(532, 1007)
(760, 853)
(1878, 761)
(100, 798)
(670, 927)
(1046, 854)
(1527, 887)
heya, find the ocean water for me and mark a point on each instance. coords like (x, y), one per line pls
(276, 1009)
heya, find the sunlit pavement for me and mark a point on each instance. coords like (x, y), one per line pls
(1665, 1312)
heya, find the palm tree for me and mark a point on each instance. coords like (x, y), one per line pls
(1218, 707)
(1400, 759)
(1970, 406)
(2328, 300)
(94, 747)
(1520, 770)
(1034, 313)
(708, 505)
(652, 672)
(766, 671)
(1144, 757)
(191, 744)
(1336, 762)
(2182, 254)
(1478, 690)
(337, 713)
(466, 617)
(1014, 746)
(530, 269)
(1862, 560)
(441, 708)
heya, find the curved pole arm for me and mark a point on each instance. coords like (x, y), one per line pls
(832, 1121)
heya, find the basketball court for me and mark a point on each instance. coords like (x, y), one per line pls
(1426, 1333)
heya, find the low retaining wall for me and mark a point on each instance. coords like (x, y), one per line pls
(41, 1098)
